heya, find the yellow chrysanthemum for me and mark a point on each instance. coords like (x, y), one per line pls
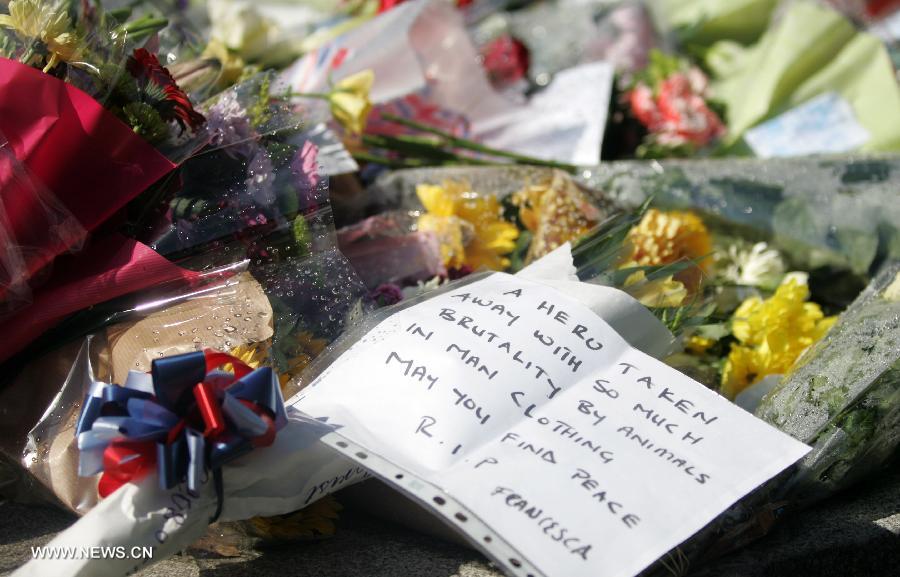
(349, 100)
(468, 225)
(663, 238)
(698, 345)
(661, 292)
(771, 335)
(254, 354)
(316, 520)
(556, 211)
(304, 349)
(38, 20)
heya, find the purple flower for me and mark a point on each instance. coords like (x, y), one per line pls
(385, 295)
(230, 128)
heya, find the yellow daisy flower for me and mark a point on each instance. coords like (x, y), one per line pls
(468, 225)
(699, 345)
(306, 347)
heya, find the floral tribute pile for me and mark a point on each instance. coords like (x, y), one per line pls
(206, 186)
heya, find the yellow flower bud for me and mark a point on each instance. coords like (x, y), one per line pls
(349, 100)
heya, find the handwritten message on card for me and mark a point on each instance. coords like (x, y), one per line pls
(588, 456)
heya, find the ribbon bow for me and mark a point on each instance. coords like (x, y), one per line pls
(185, 418)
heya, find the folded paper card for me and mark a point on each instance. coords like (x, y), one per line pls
(524, 419)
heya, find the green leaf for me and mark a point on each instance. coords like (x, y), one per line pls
(300, 231)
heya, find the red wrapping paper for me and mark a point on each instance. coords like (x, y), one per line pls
(107, 269)
(74, 152)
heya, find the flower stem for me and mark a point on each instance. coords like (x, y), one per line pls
(419, 147)
(29, 54)
(142, 27)
(289, 93)
(466, 144)
(385, 161)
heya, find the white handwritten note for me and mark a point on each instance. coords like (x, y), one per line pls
(587, 456)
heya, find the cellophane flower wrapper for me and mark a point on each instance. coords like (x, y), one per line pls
(254, 191)
(252, 197)
(393, 247)
(427, 69)
(562, 34)
(72, 159)
(43, 398)
(282, 315)
(251, 190)
(827, 214)
(62, 229)
(843, 397)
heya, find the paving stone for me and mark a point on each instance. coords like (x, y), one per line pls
(854, 534)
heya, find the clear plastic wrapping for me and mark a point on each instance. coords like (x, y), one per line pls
(283, 315)
(843, 397)
(834, 213)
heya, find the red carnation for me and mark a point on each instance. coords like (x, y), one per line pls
(175, 104)
(678, 113)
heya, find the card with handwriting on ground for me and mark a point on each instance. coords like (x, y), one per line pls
(524, 409)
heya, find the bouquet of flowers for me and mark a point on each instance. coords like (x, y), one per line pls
(229, 240)
(670, 99)
(453, 221)
(245, 182)
(79, 97)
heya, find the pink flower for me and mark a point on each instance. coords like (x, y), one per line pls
(644, 108)
(678, 114)
(305, 170)
(305, 165)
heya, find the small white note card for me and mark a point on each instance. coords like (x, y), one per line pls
(824, 124)
(588, 457)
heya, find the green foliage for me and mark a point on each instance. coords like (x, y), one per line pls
(146, 121)
(300, 232)
(517, 257)
(598, 252)
(660, 67)
(260, 113)
(678, 319)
